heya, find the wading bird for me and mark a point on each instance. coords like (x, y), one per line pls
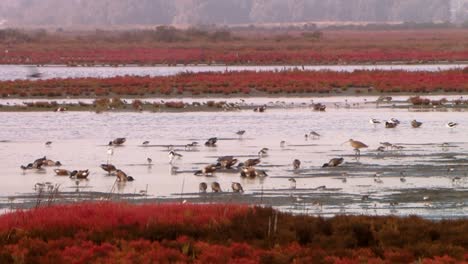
(202, 187)
(415, 124)
(215, 187)
(333, 162)
(296, 164)
(374, 121)
(451, 124)
(314, 135)
(292, 183)
(237, 187)
(210, 169)
(211, 142)
(357, 146)
(117, 142)
(123, 177)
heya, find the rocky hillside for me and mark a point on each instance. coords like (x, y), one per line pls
(148, 12)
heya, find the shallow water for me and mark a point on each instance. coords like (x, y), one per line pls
(13, 72)
(80, 138)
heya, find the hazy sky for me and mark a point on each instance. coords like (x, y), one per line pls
(66, 13)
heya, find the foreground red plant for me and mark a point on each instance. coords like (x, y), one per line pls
(123, 233)
(246, 82)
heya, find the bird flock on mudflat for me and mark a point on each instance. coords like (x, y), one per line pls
(246, 169)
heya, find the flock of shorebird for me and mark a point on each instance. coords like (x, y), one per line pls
(247, 169)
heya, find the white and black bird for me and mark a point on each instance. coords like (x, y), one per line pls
(173, 155)
(451, 124)
(374, 121)
(314, 135)
(211, 142)
(240, 133)
(263, 152)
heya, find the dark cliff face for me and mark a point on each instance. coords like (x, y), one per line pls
(148, 12)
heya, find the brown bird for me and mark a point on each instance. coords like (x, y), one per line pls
(356, 145)
(333, 162)
(62, 172)
(416, 124)
(108, 167)
(122, 176)
(79, 174)
(237, 187)
(50, 163)
(226, 162)
(251, 172)
(296, 164)
(210, 169)
(390, 125)
(250, 162)
(117, 142)
(202, 187)
(215, 187)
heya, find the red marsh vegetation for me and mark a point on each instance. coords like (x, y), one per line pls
(166, 45)
(123, 233)
(244, 83)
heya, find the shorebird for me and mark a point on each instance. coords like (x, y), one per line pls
(415, 124)
(390, 124)
(314, 134)
(117, 142)
(211, 142)
(263, 152)
(394, 120)
(296, 164)
(209, 169)
(108, 167)
(333, 162)
(377, 178)
(250, 162)
(49, 162)
(374, 121)
(110, 153)
(260, 109)
(381, 149)
(80, 174)
(123, 177)
(356, 145)
(174, 155)
(189, 146)
(215, 187)
(451, 124)
(62, 172)
(402, 176)
(237, 187)
(292, 183)
(48, 143)
(202, 187)
(226, 162)
(251, 172)
(149, 160)
(240, 133)
(386, 144)
(282, 143)
(145, 143)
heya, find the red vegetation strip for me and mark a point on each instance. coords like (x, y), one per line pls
(256, 47)
(110, 233)
(244, 82)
